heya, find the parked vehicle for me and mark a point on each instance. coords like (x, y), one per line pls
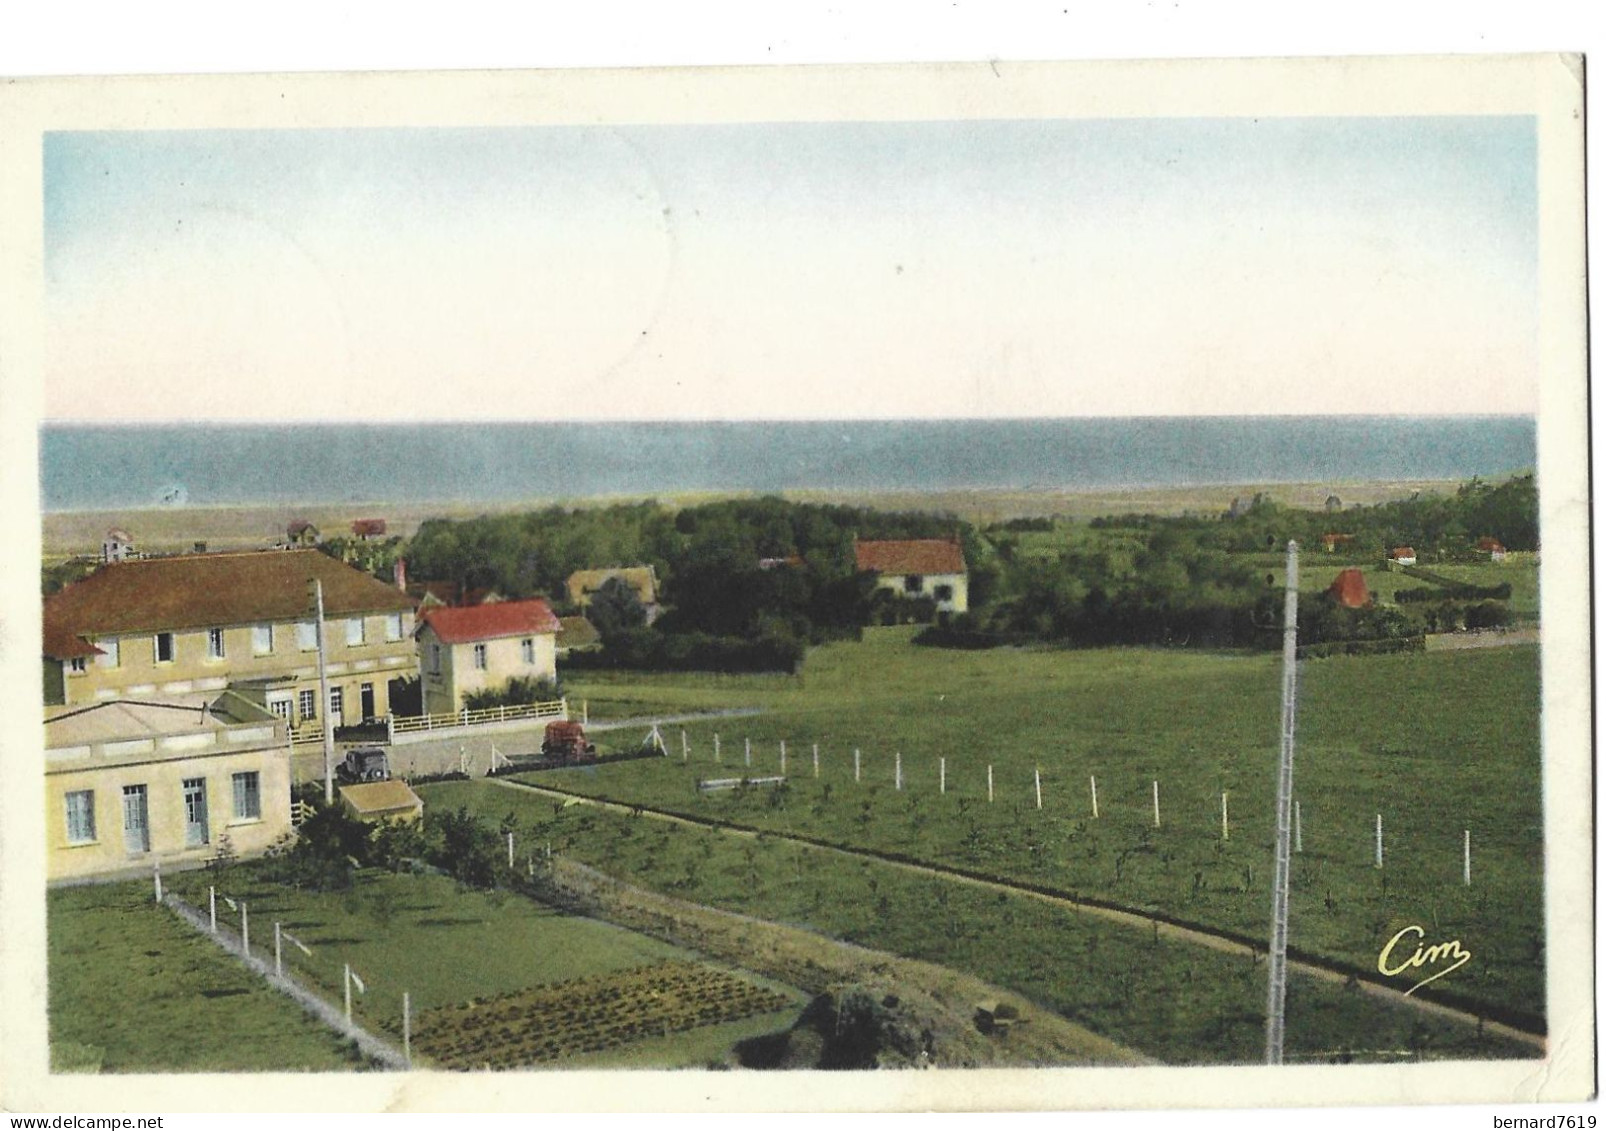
(367, 763)
(566, 742)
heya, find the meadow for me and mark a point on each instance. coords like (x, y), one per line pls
(1438, 745)
(135, 989)
(1171, 1000)
(445, 946)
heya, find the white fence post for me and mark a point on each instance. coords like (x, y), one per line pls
(989, 783)
(211, 906)
(390, 730)
(156, 867)
(897, 770)
(942, 775)
(278, 951)
(1037, 784)
(407, 1027)
(510, 850)
(1379, 863)
(783, 755)
(816, 759)
(747, 751)
(1466, 857)
(716, 746)
(1093, 784)
(585, 712)
(346, 983)
(1156, 802)
(1224, 833)
(245, 930)
(855, 763)
(1299, 832)
(685, 747)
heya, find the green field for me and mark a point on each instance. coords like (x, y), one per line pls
(1435, 743)
(444, 945)
(135, 989)
(1521, 571)
(1175, 1001)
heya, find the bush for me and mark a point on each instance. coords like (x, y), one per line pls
(1488, 615)
(518, 691)
(648, 650)
(1362, 647)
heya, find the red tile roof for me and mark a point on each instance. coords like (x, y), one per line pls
(368, 527)
(490, 622)
(1349, 589)
(1402, 552)
(206, 590)
(924, 555)
(1490, 545)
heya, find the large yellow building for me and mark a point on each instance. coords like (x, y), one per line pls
(129, 783)
(482, 647)
(204, 622)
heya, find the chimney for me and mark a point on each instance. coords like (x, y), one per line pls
(401, 574)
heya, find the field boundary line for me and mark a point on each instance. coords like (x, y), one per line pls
(370, 1045)
(1195, 934)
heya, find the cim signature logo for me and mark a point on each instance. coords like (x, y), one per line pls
(1391, 960)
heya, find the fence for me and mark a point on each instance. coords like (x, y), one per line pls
(413, 724)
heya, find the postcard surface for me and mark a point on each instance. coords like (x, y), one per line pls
(1066, 584)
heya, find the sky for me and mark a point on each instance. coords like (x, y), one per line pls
(844, 270)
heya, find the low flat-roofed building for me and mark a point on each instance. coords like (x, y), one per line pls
(176, 780)
(392, 800)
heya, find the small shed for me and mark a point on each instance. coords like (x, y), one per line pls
(392, 800)
(1402, 556)
(1492, 547)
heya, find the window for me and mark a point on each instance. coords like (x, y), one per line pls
(913, 583)
(248, 796)
(214, 643)
(164, 647)
(943, 592)
(527, 645)
(354, 630)
(479, 656)
(77, 665)
(337, 701)
(262, 639)
(393, 626)
(81, 816)
(280, 707)
(306, 636)
(111, 654)
(434, 659)
(308, 702)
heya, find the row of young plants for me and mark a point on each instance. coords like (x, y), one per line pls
(588, 1015)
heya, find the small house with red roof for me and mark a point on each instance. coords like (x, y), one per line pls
(1402, 556)
(920, 567)
(476, 648)
(300, 532)
(368, 529)
(1349, 590)
(1492, 547)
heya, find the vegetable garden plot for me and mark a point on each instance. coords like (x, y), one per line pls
(588, 1015)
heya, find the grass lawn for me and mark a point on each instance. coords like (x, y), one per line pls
(135, 989)
(1521, 571)
(1172, 1000)
(1435, 743)
(444, 945)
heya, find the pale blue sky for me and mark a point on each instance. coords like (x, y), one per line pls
(995, 268)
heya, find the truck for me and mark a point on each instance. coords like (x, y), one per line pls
(363, 764)
(566, 742)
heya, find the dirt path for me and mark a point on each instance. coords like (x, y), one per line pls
(1130, 918)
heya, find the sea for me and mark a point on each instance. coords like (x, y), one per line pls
(102, 467)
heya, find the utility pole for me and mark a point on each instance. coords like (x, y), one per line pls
(323, 699)
(1277, 952)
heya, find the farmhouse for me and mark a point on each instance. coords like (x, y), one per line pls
(482, 647)
(926, 567)
(300, 532)
(1492, 547)
(1349, 590)
(135, 781)
(368, 529)
(643, 580)
(202, 623)
(1402, 556)
(116, 546)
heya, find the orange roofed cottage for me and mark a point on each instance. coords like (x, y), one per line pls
(1349, 590)
(242, 621)
(482, 647)
(922, 567)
